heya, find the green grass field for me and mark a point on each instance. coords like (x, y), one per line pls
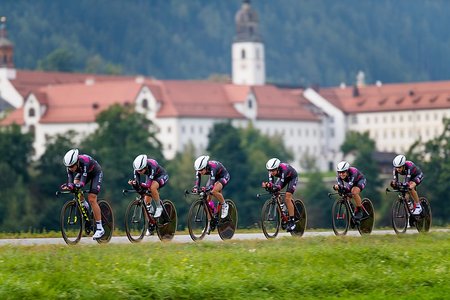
(373, 267)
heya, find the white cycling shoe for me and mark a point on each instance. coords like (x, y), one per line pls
(417, 210)
(224, 211)
(98, 233)
(158, 212)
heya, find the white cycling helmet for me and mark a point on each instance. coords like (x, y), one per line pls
(71, 157)
(140, 162)
(399, 160)
(343, 166)
(272, 164)
(201, 162)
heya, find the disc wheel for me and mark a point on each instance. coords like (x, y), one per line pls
(399, 216)
(136, 223)
(340, 217)
(366, 224)
(270, 219)
(167, 223)
(71, 222)
(300, 218)
(197, 220)
(228, 225)
(424, 223)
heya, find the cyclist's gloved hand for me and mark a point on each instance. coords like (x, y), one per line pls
(79, 185)
(195, 190)
(394, 184)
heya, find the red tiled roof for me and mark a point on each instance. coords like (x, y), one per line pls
(71, 103)
(28, 81)
(275, 103)
(196, 99)
(391, 97)
(16, 116)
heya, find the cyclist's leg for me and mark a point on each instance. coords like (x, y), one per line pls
(291, 187)
(217, 192)
(96, 182)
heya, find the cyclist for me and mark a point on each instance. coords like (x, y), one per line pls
(81, 169)
(218, 179)
(413, 177)
(287, 176)
(351, 180)
(156, 178)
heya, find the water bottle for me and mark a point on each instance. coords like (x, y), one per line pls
(283, 208)
(410, 205)
(212, 206)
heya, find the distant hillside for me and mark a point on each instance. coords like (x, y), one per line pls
(321, 42)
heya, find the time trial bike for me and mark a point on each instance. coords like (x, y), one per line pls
(274, 214)
(343, 214)
(138, 219)
(402, 208)
(77, 217)
(204, 217)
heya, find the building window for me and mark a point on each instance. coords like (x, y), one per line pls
(354, 119)
(250, 104)
(169, 129)
(31, 112)
(257, 53)
(145, 103)
(243, 54)
(32, 129)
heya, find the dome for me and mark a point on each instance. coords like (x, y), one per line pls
(247, 22)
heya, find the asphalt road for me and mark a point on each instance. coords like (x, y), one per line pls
(214, 237)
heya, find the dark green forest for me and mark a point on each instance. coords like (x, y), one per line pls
(307, 42)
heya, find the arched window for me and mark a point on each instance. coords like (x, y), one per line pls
(31, 112)
(250, 104)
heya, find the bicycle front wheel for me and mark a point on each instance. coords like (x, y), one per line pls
(300, 218)
(399, 216)
(340, 217)
(366, 224)
(71, 222)
(270, 219)
(227, 226)
(136, 223)
(167, 223)
(197, 220)
(107, 221)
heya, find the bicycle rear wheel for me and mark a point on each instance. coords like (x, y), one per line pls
(136, 222)
(167, 223)
(227, 226)
(424, 223)
(71, 222)
(340, 217)
(197, 220)
(300, 218)
(366, 224)
(399, 216)
(107, 221)
(270, 219)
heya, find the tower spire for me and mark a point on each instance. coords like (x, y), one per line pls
(6, 47)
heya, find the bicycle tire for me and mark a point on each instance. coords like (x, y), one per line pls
(167, 223)
(424, 223)
(301, 218)
(71, 222)
(340, 217)
(107, 221)
(197, 220)
(399, 216)
(366, 224)
(270, 219)
(136, 222)
(228, 225)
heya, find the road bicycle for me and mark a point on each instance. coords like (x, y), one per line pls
(343, 214)
(138, 219)
(204, 217)
(77, 217)
(274, 214)
(402, 208)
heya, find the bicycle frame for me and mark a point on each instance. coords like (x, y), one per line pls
(77, 197)
(141, 198)
(279, 198)
(346, 198)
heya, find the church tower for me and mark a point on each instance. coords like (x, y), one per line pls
(248, 66)
(6, 52)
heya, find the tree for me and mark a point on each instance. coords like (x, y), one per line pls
(433, 158)
(59, 60)
(122, 134)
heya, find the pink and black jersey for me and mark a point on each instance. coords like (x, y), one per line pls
(216, 171)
